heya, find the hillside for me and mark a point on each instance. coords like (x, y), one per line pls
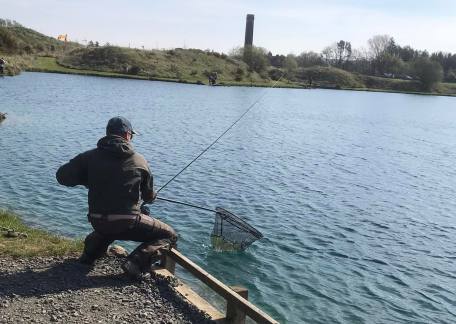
(19, 45)
(26, 49)
(325, 76)
(177, 64)
(22, 40)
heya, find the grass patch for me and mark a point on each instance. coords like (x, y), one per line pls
(447, 88)
(16, 63)
(49, 64)
(37, 242)
(181, 65)
(52, 65)
(329, 77)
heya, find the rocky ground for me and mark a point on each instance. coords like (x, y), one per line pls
(60, 290)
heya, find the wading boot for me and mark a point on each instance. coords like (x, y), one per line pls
(131, 269)
(157, 255)
(85, 259)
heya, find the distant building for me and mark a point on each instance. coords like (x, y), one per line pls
(63, 37)
(249, 30)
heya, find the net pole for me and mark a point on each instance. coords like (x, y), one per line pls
(186, 204)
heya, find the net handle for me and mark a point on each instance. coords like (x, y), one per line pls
(224, 214)
(186, 204)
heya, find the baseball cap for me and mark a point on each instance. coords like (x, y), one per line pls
(119, 125)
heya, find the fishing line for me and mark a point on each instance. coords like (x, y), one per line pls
(218, 138)
(230, 232)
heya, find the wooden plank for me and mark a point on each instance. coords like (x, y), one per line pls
(162, 272)
(223, 290)
(168, 263)
(234, 315)
(192, 297)
(200, 302)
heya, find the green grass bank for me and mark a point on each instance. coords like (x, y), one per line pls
(20, 240)
(324, 77)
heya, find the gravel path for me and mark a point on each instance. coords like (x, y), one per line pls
(60, 290)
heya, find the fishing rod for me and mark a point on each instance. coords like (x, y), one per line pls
(221, 135)
(230, 231)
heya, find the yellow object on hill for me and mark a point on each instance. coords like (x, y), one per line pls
(62, 38)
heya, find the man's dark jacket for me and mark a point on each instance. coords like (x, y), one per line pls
(116, 176)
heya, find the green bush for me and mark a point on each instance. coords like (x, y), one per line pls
(329, 76)
(275, 74)
(238, 74)
(28, 49)
(256, 58)
(8, 43)
(451, 75)
(134, 70)
(428, 72)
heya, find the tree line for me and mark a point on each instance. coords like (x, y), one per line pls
(383, 57)
(9, 23)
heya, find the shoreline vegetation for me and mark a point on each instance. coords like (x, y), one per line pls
(391, 68)
(46, 64)
(20, 240)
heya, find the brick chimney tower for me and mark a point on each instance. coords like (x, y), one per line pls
(249, 30)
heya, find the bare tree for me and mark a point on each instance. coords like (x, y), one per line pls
(338, 53)
(329, 54)
(306, 59)
(379, 46)
(343, 52)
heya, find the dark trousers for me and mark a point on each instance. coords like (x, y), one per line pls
(153, 234)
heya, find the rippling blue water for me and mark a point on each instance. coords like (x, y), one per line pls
(354, 191)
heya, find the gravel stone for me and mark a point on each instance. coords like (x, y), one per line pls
(61, 290)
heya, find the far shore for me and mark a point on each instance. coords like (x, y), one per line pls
(50, 65)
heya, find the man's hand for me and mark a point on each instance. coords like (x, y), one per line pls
(148, 196)
(145, 209)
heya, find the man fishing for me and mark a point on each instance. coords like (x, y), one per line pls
(118, 179)
(2, 65)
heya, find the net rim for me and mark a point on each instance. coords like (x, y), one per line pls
(238, 222)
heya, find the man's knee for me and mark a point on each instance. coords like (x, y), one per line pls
(94, 238)
(95, 245)
(172, 236)
(164, 231)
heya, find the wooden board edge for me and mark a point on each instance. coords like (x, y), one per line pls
(192, 297)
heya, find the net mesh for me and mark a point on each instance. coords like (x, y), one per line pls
(231, 232)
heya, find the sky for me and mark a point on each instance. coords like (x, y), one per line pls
(282, 27)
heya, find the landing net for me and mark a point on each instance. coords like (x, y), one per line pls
(231, 233)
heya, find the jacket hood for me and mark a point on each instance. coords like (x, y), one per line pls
(116, 145)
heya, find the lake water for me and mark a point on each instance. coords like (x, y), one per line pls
(353, 191)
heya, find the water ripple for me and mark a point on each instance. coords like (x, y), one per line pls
(353, 191)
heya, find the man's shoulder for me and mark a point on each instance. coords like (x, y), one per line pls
(139, 159)
(89, 152)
